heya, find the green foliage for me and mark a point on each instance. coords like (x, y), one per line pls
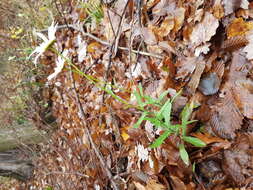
(49, 188)
(162, 119)
(94, 10)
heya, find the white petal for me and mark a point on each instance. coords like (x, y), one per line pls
(42, 36)
(51, 31)
(59, 66)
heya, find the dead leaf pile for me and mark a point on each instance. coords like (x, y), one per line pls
(202, 47)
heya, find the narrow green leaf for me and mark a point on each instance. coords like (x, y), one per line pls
(186, 113)
(185, 116)
(183, 154)
(160, 139)
(141, 89)
(159, 115)
(139, 99)
(154, 121)
(160, 98)
(193, 167)
(177, 94)
(194, 141)
(137, 124)
(149, 99)
(166, 113)
(189, 122)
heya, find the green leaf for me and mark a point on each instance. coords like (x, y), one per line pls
(195, 141)
(193, 167)
(137, 124)
(177, 94)
(185, 116)
(160, 139)
(49, 188)
(166, 113)
(141, 90)
(160, 98)
(165, 107)
(139, 99)
(183, 154)
(149, 99)
(186, 113)
(189, 122)
(156, 122)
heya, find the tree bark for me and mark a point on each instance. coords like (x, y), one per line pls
(14, 136)
(12, 166)
(11, 163)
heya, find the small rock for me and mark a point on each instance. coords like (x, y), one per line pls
(209, 84)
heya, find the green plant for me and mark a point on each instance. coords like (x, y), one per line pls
(162, 119)
(94, 10)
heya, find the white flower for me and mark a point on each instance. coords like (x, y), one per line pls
(59, 65)
(46, 42)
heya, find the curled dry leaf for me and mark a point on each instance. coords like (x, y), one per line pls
(204, 30)
(194, 82)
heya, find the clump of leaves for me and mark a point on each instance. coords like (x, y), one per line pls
(162, 119)
(94, 10)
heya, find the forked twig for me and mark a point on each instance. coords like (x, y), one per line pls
(105, 42)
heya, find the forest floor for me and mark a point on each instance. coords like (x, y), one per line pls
(152, 95)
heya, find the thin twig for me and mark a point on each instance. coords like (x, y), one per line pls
(105, 42)
(87, 132)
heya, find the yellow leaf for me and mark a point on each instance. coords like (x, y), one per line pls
(124, 135)
(239, 27)
(92, 47)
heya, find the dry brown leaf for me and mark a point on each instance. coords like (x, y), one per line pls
(218, 10)
(204, 30)
(243, 91)
(185, 66)
(238, 161)
(226, 117)
(234, 43)
(194, 82)
(177, 183)
(154, 185)
(179, 16)
(165, 28)
(148, 36)
(207, 138)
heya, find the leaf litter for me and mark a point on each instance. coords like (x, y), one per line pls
(201, 47)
